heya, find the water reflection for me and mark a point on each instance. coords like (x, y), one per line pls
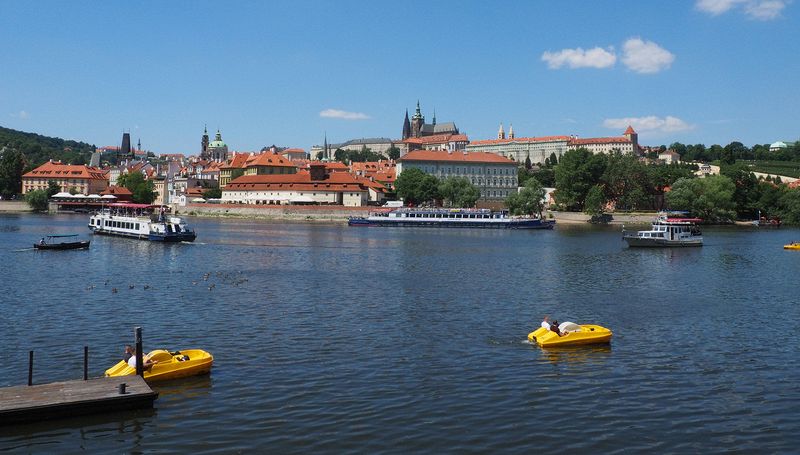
(577, 355)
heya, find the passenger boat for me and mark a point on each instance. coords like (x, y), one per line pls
(457, 218)
(141, 221)
(51, 242)
(170, 365)
(573, 335)
(792, 246)
(667, 231)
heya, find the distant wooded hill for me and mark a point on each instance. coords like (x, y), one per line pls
(38, 149)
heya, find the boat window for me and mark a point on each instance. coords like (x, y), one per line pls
(137, 226)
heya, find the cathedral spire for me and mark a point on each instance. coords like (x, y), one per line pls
(511, 131)
(500, 133)
(434, 116)
(406, 127)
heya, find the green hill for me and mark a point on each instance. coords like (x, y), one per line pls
(38, 149)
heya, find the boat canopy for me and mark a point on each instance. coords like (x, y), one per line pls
(132, 205)
(108, 196)
(62, 194)
(61, 235)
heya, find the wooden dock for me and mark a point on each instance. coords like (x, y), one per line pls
(20, 404)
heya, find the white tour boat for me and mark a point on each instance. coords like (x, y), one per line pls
(667, 231)
(141, 221)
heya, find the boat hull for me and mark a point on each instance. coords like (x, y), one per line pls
(176, 237)
(63, 246)
(588, 334)
(643, 242)
(169, 366)
(792, 246)
(455, 223)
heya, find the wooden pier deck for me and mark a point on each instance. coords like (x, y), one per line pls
(19, 404)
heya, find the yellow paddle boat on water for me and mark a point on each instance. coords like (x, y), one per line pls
(168, 365)
(571, 335)
(792, 246)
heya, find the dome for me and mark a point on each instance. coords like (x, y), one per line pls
(778, 145)
(216, 144)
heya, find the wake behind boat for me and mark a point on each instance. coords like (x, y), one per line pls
(141, 221)
(457, 217)
(667, 231)
(52, 242)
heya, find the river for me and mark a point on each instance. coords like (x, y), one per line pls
(390, 340)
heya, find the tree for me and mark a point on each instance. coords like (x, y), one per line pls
(416, 187)
(746, 195)
(711, 197)
(393, 152)
(142, 189)
(577, 172)
(37, 200)
(52, 188)
(626, 181)
(553, 159)
(212, 193)
(459, 192)
(320, 155)
(789, 206)
(595, 201)
(12, 165)
(529, 200)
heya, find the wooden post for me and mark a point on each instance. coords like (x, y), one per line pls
(30, 368)
(85, 363)
(139, 355)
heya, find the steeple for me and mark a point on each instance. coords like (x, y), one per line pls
(139, 144)
(511, 131)
(218, 137)
(325, 146)
(434, 116)
(204, 142)
(418, 113)
(406, 127)
(500, 133)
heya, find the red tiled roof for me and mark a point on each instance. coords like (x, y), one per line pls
(116, 191)
(469, 157)
(522, 139)
(270, 159)
(437, 139)
(236, 161)
(629, 131)
(600, 140)
(55, 169)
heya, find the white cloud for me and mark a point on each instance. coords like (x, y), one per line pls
(578, 58)
(765, 10)
(756, 9)
(336, 113)
(21, 115)
(649, 124)
(717, 7)
(645, 57)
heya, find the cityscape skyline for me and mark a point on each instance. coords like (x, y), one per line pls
(708, 71)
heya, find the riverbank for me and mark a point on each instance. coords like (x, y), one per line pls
(14, 206)
(339, 214)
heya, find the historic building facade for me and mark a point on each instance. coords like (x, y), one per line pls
(627, 143)
(81, 179)
(416, 127)
(520, 149)
(216, 150)
(494, 175)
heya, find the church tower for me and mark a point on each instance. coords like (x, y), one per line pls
(204, 143)
(511, 131)
(500, 133)
(633, 136)
(406, 127)
(416, 122)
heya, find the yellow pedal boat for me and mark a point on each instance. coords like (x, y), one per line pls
(574, 335)
(170, 365)
(792, 246)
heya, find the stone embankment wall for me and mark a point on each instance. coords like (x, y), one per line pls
(14, 206)
(277, 212)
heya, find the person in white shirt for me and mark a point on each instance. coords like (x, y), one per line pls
(546, 322)
(148, 364)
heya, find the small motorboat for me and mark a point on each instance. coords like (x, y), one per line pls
(51, 242)
(792, 246)
(573, 335)
(169, 365)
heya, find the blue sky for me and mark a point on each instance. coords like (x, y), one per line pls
(707, 71)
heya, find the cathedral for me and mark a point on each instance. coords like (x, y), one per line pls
(215, 150)
(417, 127)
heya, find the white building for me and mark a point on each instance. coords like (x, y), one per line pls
(494, 175)
(521, 148)
(627, 143)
